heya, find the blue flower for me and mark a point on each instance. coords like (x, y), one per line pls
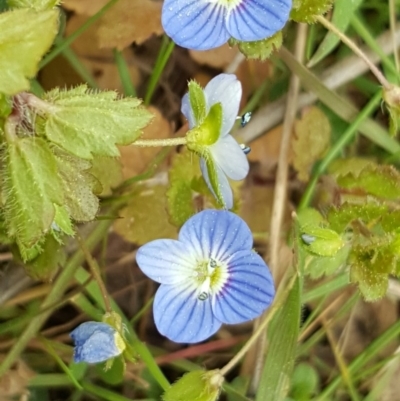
(209, 276)
(221, 155)
(206, 24)
(96, 342)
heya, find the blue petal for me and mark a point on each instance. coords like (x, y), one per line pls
(248, 292)
(227, 90)
(181, 316)
(187, 111)
(217, 234)
(223, 184)
(230, 158)
(258, 19)
(195, 24)
(166, 261)
(94, 342)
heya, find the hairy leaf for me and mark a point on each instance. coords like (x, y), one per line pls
(108, 171)
(145, 217)
(79, 185)
(26, 35)
(38, 5)
(312, 140)
(30, 188)
(180, 193)
(307, 10)
(259, 49)
(91, 123)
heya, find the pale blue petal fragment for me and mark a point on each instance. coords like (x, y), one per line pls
(229, 156)
(223, 184)
(195, 24)
(227, 90)
(248, 292)
(257, 19)
(181, 316)
(218, 233)
(187, 111)
(94, 342)
(166, 261)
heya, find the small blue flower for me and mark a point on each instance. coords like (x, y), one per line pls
(221, 155)
(206, 24)
(209, 276)
(96, 342)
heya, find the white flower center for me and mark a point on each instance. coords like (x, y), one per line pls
(228, 4)
(210, 278)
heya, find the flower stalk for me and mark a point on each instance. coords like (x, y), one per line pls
(160, 142)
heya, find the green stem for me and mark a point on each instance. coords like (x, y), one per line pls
(56, 293)
(163, 57)
(67, 41)
(337, 147)
(160, 142)
(94, 269)
(124, 73)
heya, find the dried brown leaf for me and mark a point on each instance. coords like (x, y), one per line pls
(130, 21)
(85, 7)
(218, 58)
(136, 159)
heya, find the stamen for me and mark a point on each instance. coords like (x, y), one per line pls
(246, 117)
(203, 296)
(246, 149)
(213, 263)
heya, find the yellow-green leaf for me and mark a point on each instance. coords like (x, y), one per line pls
(30, 188)
(311, 141)
(108, 171)
(308, 10)
(26, 35)
(92, 123)
(38, 5)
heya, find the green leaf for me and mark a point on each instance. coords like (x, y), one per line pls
(180, 193)
(198, 385)
(206, 134)
(352, 165)
(304, 382)
(145, 218)
(38, 5)
(318, 266)
(342, 14)
(108, 171)
(321, 241)
(89, 123)
(45, 266)
(279, 361)
(381, 181)
(5, 105)
(62, 221)
(311, 141)
(308, 10)
(197, 102)
(341, 218)
(79, 185)
(26, 35)
(30, 189)
(259, 49)
(115, 374)
(391, 97)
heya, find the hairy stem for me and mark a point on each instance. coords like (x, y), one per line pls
(160, 142)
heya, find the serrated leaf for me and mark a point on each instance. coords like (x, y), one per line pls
(38, 5)
(197, 102)
(321, 241)
(79, 185)
(308, 10)
(311, 141)
(342, 14)
(381, 181)
(108, 171)
(340, 218)
(353, 165)
(45, 266)
(259, 49)
(283, 332)
(145, 217)
(89, 123)
(198, 385)
(62, 221)
(391, 96)
(26, 35)
(180, 192)
(318, 266)
(30, 188)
